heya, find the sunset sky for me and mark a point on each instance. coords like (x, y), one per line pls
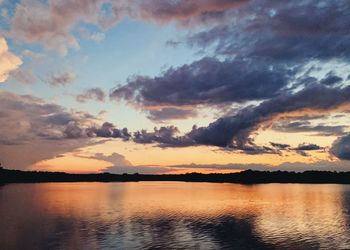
(174, 86)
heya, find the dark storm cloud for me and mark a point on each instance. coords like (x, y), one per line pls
(262, 45)
(235, 130)
(341, 148)
(51, 121)
(293, 30)
(331, 79)
(171, 113)
(164, 137)
(207, 81)
(96, 94)
(73, 130)
(108, 130)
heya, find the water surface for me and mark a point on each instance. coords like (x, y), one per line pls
(174, 215)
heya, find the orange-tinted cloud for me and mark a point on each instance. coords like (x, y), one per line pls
(8, 61)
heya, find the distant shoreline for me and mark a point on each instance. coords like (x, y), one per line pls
(244, 177)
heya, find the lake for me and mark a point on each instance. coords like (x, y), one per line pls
(174, 215)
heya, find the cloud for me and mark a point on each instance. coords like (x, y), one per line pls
(172, 43)
(61, 79)
(262, 46)
(34, 56)
(300, 149)
(280, 145)
(234, 131)
(244, 28)
(24, 76)
(171, 114)
(115, 158)
(206, 81)
(164, 137)
(108, 130)
(259, 28)
(121, 168)
(303, 148)
(306, 126)
(259, 48)
(24, 118)
(22, 156)
(8, 61)
(293, 31)
(169, 136)
(295, 166)
(182, 11)
(33, 130)
(137, 169)
(94, 36)
(287, 166)
(331, 79)
(120, 165)
(27, 119)
(73, 130)
(52, 23)
(50, 121)
(341, 147)
(96, 94)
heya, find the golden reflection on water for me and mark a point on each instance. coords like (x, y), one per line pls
(315, 212)
(96, 215)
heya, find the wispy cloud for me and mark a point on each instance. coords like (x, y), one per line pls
(96, 94)
(61, 78)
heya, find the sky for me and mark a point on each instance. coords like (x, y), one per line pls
(174, 86)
